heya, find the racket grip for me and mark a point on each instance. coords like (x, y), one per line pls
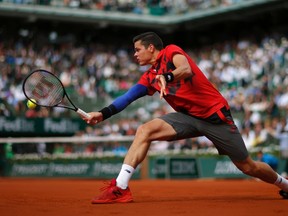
(82, 113)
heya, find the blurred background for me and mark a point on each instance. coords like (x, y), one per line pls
(241, 46)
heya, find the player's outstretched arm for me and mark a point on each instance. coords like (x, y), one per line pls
(118, 104)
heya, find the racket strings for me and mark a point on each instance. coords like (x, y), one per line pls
(44, 88)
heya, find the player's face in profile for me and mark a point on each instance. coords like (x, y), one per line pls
(142, 55)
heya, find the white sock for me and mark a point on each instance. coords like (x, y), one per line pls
(281, 182)
(124, 176)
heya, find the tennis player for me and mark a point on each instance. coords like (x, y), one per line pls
(200, 110)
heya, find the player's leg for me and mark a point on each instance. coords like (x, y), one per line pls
(118, 190)
(228, 140)
(264, 172)
(156, 129)
(256, 169)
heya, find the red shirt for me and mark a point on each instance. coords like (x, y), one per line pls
(194, 95)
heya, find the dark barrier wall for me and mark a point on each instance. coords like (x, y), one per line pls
(107, 168)
(99, 168)
(198, 167)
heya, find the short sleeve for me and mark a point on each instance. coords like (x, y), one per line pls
(146, 80)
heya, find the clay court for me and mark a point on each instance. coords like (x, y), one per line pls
(55, 197)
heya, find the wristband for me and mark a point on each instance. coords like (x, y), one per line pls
(107, 112)
(169, 77)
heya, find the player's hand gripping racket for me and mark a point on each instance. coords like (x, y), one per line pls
(45, 89)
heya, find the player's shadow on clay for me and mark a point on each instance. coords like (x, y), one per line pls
(205, 198)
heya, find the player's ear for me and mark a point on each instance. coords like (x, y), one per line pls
(151, 47)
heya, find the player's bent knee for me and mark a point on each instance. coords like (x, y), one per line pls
(150, 132)
(249, 169)
(143, 131)
(247, 166)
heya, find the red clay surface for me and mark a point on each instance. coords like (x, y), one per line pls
(55, 197)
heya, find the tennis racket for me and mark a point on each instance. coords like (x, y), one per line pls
(44, 89)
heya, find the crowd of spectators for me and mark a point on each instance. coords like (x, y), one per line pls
(153, 7)
(251, 75)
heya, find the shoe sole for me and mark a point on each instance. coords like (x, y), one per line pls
(283, 194)
(120, 200)
(112, 201)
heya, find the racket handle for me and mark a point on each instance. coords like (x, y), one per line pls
(82, 113)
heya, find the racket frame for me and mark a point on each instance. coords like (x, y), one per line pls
(74, 108)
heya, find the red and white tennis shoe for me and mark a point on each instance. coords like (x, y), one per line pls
(113, 194)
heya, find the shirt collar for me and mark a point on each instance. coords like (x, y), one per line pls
(158, 59)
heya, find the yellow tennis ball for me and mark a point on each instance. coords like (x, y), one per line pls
(31, 104)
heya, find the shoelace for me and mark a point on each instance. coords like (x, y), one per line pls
(108, 184)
